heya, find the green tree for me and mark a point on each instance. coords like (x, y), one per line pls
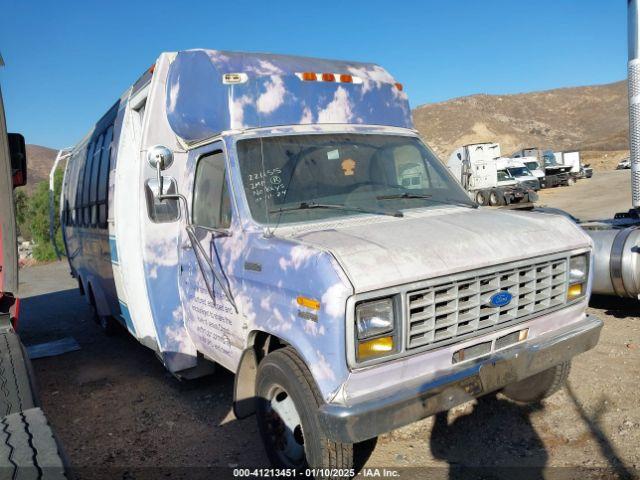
(36, 218)
(21, 201)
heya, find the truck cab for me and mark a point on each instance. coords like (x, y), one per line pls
(555, 174)
(518, 170)
(293, 228)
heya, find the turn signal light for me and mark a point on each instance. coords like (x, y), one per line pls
(375, 347)
(575, 291)
(308, 303)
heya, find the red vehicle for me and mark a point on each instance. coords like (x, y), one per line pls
(13, 173)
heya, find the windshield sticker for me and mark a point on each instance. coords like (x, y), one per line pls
(333, 155)
(349, 167)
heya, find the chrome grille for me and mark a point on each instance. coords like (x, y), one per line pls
(459, 308)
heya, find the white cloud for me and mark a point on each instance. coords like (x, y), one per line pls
(173, 95)
(374, 76)
(307, 116)
(333, 300)
(236, 108)
(338, 110)
(264, 67)
(321, 369)
(298, 256)
(273, 97)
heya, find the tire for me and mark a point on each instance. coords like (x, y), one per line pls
(496, 198)
(283, 381)
(571, 181)
(28, 448)
(16, 389)
(107, 324)
(482, 198)
(540, 385)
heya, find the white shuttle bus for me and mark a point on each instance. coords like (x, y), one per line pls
(280, 217)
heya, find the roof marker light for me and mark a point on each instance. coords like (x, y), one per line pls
(328, 77)
(233, 78)
(398, 86)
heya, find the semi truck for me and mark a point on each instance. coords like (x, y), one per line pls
(518, 170)
(280, 217)
(477, 167)
(572, 158)
(555, 174)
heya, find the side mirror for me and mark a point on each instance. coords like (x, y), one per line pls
(18, 154)
(160, 158)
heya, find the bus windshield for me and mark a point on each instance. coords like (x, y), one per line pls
(315, 177)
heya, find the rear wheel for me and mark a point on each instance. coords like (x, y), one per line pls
(107, 323)
(571, 181)
(287, 414)
(540, 385)
(496, 198)
(482, 198)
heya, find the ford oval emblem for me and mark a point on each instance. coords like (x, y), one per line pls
(500, 299)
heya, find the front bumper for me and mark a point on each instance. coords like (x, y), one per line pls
(390, 410)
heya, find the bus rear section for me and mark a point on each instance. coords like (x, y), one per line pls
(85, 218)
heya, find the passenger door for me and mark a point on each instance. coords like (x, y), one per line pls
(206, 284)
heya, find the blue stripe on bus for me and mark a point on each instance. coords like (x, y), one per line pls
(114, 250)
(124, 313)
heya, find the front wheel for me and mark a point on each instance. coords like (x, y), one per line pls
(540, 385)
(287, 414)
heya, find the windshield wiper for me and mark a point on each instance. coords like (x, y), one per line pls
(312, 205)
(402, 195)
(446, 201)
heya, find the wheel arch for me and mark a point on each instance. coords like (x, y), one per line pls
(259, 345)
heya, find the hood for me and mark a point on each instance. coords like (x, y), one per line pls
(389, 251)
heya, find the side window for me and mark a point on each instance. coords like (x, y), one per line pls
(103, 178)
(211, 202)
(93, 184)
(80, 192)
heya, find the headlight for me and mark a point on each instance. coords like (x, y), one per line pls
(375, 326)
(578, 268)
(374, 318)
(578, 275)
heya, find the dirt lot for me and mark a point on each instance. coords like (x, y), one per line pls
(120, 414)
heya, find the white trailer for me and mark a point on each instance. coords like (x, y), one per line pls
(572, 159)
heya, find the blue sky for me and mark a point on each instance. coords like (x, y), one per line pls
(68, 61)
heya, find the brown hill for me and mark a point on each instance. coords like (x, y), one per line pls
(580, 118)
(39, 163)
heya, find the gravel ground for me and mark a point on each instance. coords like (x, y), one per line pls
(119, 414)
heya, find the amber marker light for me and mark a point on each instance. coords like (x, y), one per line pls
(575, 291)
(309, 303)
(375, 347)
